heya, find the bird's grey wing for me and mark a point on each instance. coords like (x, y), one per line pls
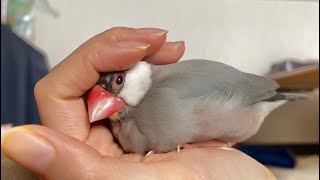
(199, 78)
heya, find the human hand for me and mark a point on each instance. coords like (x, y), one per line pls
(74, 149)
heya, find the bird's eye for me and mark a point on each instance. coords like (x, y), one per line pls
(118, 81)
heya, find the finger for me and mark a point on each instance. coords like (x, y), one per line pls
(80, 71)
(101, 139)
(52, 155)
(170, 52)
(154, 36)
(94, 54)
(58, 93)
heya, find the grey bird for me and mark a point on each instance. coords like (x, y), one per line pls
(160, 107)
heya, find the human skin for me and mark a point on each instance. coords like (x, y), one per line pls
(67, 146)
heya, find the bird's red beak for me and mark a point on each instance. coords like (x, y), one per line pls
(102, 104)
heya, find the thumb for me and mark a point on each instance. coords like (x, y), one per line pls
(53, 155)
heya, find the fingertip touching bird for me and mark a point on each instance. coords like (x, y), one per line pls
(161, 107)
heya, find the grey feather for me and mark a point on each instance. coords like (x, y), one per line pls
(197, 100)
(287, 96)
(206, 77)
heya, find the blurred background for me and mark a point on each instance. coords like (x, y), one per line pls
(276, 38)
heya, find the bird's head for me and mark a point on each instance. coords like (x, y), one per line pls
(116, 90)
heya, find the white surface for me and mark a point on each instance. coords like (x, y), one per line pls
(247, 34)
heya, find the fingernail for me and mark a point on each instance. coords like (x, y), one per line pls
(178, 44)
(29, 150)
(226, 148)
(152, 31)
(133, 44)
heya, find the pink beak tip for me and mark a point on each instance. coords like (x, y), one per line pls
(102, 104)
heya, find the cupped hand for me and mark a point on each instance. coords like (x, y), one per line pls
(59, 95)
(70, 148)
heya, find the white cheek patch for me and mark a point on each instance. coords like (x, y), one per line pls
(137, 83)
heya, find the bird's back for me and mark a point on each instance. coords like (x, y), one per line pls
(196, 78)
(194, 100)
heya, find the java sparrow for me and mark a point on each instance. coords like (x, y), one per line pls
(159, 107)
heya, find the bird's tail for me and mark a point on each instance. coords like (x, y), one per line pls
(288, 97)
